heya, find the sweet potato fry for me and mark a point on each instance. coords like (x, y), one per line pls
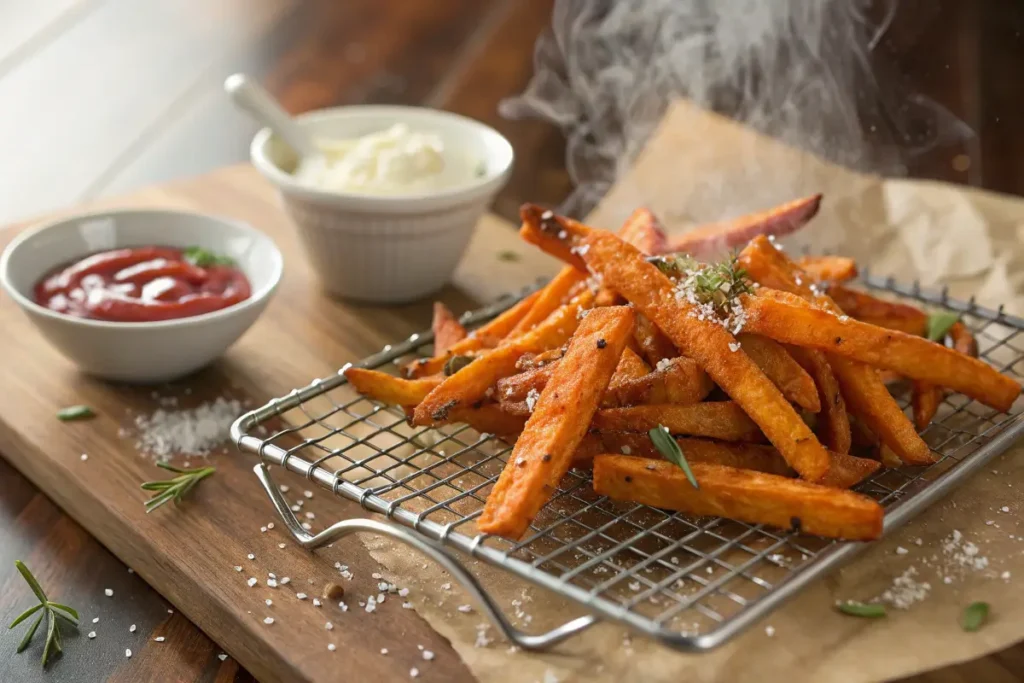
(723, 420)
(488, 418)
(530, 361)
(870, 309)
(833, 423)
(543, 453)
(655, 346)
(925, 399)
(744, 495)
(781, 220)
(624, 270)
(447, 329)
(679, 380)
(829, 268)
(788, 319)
(389, 389)
(863, 391)
(644, 231)
(497, 328)
(553, 295)
(846, 470)
(470, 384)
(514, 389)
(784, 372)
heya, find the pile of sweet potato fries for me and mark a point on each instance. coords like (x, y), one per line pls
(740, 389)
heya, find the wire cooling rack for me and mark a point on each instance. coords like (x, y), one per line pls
(691, 582)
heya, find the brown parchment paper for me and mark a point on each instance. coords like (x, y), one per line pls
(700, 167)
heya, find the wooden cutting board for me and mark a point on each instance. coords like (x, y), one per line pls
(189, 554)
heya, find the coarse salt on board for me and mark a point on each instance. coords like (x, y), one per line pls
(194, 431)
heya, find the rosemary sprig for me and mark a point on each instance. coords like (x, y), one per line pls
(47, 610)
(174, 489)
(669, 448)
(718, 284)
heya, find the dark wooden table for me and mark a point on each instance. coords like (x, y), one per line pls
(101, 96)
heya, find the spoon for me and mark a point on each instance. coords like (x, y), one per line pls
(259, 104)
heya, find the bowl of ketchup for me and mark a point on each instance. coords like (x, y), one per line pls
(142, 295)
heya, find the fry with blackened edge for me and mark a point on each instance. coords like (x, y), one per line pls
(447, 329)
(744, 495)
(543, 453)
(470, 384)
(706, 341)
(481, 338)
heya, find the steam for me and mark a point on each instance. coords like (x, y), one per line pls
(798, 71)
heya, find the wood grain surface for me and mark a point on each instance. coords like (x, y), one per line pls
(103, 96)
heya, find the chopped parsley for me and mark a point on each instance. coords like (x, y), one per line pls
(204, 258)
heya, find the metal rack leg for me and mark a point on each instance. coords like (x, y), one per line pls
(430, 549)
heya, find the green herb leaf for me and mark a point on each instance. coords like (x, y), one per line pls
(508, 255)
(974, 616)
(939, 323)
(670, 450)
(861, 609)
(26, 614)
(481, 169)
(674, 265)
(69, 610)
(30, 580)
(78, 412)
(49, 611)
(204, 258)
(30, 632)
(456, 363)
(174, 489)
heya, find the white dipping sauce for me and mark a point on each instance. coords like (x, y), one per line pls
(395, 161)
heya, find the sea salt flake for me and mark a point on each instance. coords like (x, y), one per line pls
(769, 631)
(131, 629)
(109, 592)
(428, 655)
(222, 657)
(465, 609)
(92, 634)
(268, 621)
(531, 399)
(196, 431)
(300, 596)
(128, 654)
(900, 550)
(159, 639)
(414, 672)
(316, 602)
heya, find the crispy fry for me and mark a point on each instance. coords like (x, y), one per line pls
(644, 231)
(553, 295)
(389, 389)
(744, 495)
(631, 367)
(655, 346)
(447, 329)
(470, 384)
(833, 424)
(780, 220)
(529, 361)
(488, 418)
(543, 452)
(829, 268)
(870, 309)
(925, 399)
(863, 391)
(786, 318)
(624, 270)
(679, 380)
(497, 328)
(784, 372)
(723, 420)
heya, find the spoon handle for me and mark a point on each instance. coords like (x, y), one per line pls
(258, 103)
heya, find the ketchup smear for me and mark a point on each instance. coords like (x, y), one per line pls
(143, 284)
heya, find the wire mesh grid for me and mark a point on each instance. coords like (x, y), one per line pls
(692, 582)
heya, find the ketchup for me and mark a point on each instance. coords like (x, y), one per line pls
(143, 284)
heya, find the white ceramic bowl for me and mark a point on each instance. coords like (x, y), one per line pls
(140, 352)
(386, 248)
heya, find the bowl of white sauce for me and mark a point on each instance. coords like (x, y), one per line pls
(387, 210)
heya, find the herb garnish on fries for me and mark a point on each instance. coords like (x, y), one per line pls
(631, 352)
